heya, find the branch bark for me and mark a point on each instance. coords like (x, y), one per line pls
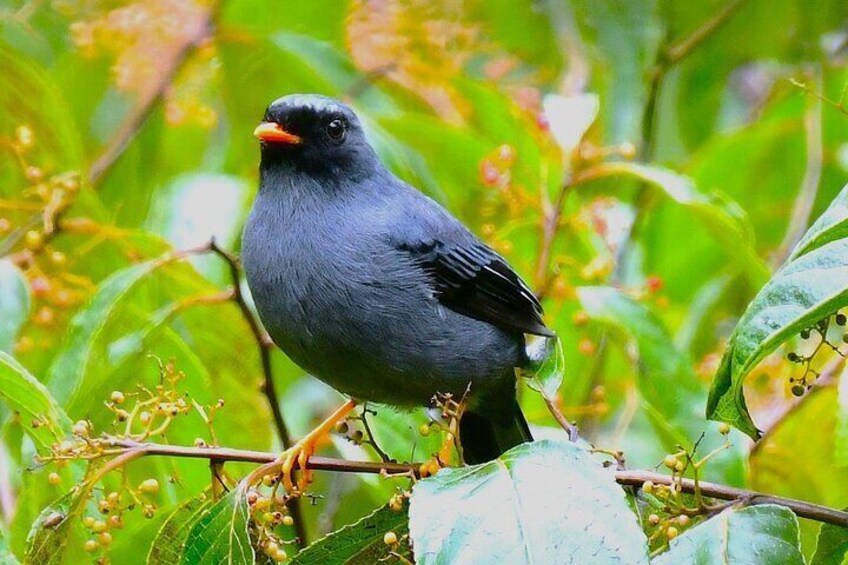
(801, 508)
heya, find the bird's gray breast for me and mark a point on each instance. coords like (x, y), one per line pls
(358, 313)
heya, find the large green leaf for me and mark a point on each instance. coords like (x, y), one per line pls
(170, 541)
(722, 218)
(666, 379)
(804, 291)
(832, 547)
(541, 502)
(358, 543)
(220, 535)
(45, 421)
(14, 306)
(758, 534)
(830, 226)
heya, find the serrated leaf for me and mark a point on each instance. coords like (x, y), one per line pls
(832, 546)
(14, 305)
(800, 294)
(360, 542)
(220, 535)
(44, 420)
(540, 502)
(170, 541)
(830, 226)
(758, 534)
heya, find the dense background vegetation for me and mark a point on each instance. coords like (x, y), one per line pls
(690, 147)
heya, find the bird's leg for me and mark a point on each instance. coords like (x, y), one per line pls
(305, 447)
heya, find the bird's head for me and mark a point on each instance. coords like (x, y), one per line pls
(314, 134)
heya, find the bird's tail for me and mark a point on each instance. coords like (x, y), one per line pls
(484, 438)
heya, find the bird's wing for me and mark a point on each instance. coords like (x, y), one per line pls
(473, 280)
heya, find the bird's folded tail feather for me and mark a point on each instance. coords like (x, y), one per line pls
(484, 438)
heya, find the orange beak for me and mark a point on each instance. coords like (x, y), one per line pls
(270, 132)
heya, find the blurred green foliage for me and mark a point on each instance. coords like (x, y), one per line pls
(718, 135)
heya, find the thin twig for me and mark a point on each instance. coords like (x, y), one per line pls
(268, 387)
(801, 508)
(569, 428)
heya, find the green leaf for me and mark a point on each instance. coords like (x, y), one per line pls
(841, 449)
(44, 420)
(723, 218)
(69, 370)
(220, 535)
(758, 534)
(14, 307)
(170, 541)
(801, 293)
(831, 226)
(666, 380)
(6, 555)
(832, 546)
(361, 542)
(547, 366)
(48, 537)
(541, 502)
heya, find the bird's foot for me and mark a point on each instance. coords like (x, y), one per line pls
(300, 452)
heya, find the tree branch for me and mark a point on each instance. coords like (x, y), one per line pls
(148, 101)
(268, 387)
(801, 508)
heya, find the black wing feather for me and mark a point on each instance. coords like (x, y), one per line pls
(475, 281)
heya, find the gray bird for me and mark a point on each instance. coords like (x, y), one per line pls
(376, 289)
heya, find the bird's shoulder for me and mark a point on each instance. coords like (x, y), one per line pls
(466, 275)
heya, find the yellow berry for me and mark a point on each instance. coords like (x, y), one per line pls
(424, 430)
(88, 522)
(679, 467)
(33, 240)
(670, 461)
(99, 526)
(648, 487)
(117, 397)
(105, 538)
(390, 538)
(280, 556)
(80, 428)
(261, 503)
(199, 442)
(91, 546)
(671, 532)
(683, 520)
(144, 418)
(54, 479)
(149, 486)
(271, 548)
(122, 415)
(396, 503)
(724, 428)
(116, 522)
(58, 258)
(288, 521)
(341, 427)
(24, 136)
(654, 519)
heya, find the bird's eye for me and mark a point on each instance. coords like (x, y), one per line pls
(336, 129)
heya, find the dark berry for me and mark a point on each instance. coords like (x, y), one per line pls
(841, 319)
(793, 357)
(798, 390)
(805, 334)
